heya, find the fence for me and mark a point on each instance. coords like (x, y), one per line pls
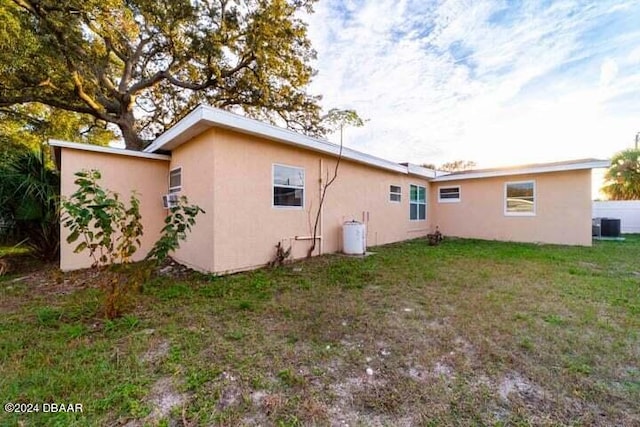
(628, 211)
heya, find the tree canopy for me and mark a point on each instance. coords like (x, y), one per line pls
(454, 166)
(32, 125)
(622, 180)
(141, 65)
(457, 166)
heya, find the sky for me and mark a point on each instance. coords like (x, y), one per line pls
(494, 82)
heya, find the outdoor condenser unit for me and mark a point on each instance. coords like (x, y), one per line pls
(610, 227)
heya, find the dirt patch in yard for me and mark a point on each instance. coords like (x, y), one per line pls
(158, 351)
(515, 383)
(162, 399)
(48, 282)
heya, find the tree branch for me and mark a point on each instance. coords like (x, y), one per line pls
(26, 99)
(95, 107)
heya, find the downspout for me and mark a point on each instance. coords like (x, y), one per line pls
(320, 227)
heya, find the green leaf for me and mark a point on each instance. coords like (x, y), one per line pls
(81, 247)
(73, 236)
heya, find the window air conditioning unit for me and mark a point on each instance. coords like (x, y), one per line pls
(170, 200)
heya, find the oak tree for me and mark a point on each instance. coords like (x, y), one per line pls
(30, 126)
(141, 65)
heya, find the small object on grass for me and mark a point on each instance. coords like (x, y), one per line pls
(4, 266)
(165, 270)
(281, 256)
(369, 371)
(435, 238)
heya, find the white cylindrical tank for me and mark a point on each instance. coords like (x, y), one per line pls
(354, 238)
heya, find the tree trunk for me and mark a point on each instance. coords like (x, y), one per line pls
(132, 140)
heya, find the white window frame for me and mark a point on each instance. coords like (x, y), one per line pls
(273, 186)
(535, 198)
(178, 188)
(441, 200)
(395, 193)
(426, 199)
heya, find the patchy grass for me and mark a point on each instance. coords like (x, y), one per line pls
(465, 333)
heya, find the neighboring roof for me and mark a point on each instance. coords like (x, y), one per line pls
(420, 170)
(108, 150)
(204, 117)
(526, 169)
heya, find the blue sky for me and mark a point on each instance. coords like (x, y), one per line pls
(496, 82)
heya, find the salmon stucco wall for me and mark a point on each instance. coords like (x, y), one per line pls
(236, 189)
(196, 160)
(562, 209)
(121, 174)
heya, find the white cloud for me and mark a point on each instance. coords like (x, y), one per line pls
(480, 80)
(608, 72)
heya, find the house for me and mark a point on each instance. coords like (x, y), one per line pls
(260, 185)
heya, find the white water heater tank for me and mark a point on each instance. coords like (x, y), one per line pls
(354, 238)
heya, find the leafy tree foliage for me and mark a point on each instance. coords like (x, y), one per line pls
(141, 65)
(623, 176)
(32, 125)
(457, 166)
(110, 230)
(29, 198)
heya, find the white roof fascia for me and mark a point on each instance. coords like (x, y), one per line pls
(106, 150)
(215, 117)
(421, 171)
(525, 171)
(177, 131)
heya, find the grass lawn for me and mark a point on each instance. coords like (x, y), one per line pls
(465, 333)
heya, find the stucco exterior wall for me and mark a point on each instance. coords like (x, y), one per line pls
(197, 160)
(120, 174)
(563, 209)
(235, 188)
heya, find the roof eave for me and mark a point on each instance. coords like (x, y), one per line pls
(106, 150)
(525, 171)
(421, 171)
(204, 117)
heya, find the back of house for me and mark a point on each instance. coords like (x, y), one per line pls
(261, 185)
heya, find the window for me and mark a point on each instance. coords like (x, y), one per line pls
(175, 180)
(395, 193)
(520, 198)
(449, 194)
(417, 203)
(288, 186)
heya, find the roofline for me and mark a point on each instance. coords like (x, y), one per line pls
(413, 169)
(591, 164)
(205, 116)
(106, 150)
